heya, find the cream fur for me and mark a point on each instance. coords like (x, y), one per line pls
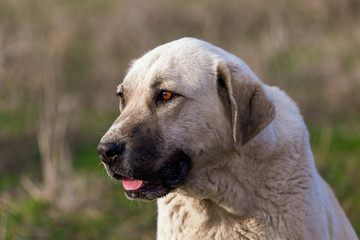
(267, 188)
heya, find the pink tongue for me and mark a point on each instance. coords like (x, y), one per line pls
(131, 184)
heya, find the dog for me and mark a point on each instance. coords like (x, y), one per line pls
(226, 156)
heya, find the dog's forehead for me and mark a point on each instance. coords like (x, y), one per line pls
(178, 64)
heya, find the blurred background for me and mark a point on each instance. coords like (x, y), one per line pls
(60, 63)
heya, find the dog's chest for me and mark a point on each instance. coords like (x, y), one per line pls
(182, 219)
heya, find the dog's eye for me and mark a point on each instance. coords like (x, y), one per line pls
(122, 97)
(165, 96)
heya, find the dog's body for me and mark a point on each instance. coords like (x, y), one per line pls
(227, 156)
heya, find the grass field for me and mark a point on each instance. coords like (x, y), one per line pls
(60, 62)
(102, 210)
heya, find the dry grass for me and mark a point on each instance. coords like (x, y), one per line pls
(310, 49)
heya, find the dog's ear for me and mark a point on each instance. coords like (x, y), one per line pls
(251, 110)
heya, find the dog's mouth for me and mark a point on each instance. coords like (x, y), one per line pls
(144, 190)
(161, 183)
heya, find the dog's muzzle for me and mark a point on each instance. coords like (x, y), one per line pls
(140, 184)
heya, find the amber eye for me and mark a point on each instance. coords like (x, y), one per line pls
(122, 97)
(165, 96)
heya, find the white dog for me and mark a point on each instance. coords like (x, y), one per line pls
(227, 156)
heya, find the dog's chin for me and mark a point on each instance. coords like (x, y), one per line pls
(163, 181)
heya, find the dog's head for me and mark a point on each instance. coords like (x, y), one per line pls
(181, 105)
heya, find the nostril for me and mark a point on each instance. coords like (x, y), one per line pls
(109, 150)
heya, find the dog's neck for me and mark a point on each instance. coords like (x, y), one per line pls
(253, 188)
(259, 173)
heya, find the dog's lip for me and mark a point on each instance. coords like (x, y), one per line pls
(148, 190)
(155, 184)
(117, 176)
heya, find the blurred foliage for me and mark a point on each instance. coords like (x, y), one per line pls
(311, 49)
(336, 150)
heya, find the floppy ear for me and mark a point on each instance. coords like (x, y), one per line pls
(251, 110)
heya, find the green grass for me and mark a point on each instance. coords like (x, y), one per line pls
(33, 219)
(337, 155)
(19, 122)
(107, 214)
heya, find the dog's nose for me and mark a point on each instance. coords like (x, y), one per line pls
(110, 151)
